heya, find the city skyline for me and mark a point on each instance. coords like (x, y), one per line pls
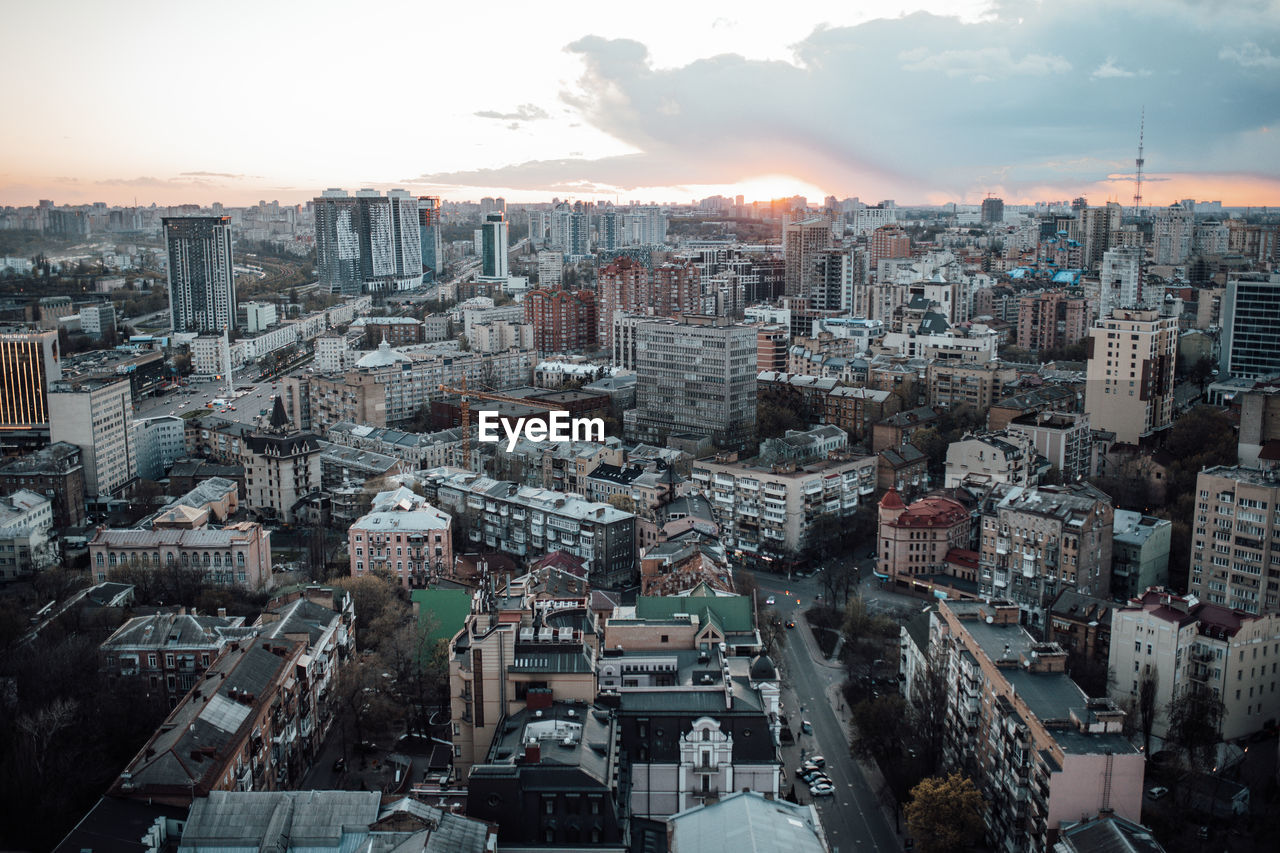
(924, 102)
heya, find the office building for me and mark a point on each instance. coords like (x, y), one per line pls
(404, 535)
(99, 321)
(1035, 542)
(26, 546)
(158, 442)
(1129, 384)
(97, 417)
(493, 246)
(801, 241)
(368, 243)
(698, 377)
(257, 316)
(1120, 280)
(430, 243)
(30, 362)
(1043, 751)
(1251, 326)
(563, 322)
(1235, 546)
(202, 281)
(1186, 645)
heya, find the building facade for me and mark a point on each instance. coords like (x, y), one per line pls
(1251, 326)
(97, 417)
(1235, 543)
(202, 281)
(238, 554)
(56, 471)
(404, 535)
(563, 322)
(1129, 385)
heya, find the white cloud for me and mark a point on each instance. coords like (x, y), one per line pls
(983, 64)
(1110, 69)
(1249, 55)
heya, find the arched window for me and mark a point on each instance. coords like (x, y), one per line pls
(168, 558)
(100, 559)
(240, 558)
(111, 558)
(186, 558)
(228, 559)
(204, 558)
(217, 559)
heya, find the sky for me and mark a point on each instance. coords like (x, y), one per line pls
(921, 102)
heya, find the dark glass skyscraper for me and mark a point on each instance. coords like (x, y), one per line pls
(202, 282)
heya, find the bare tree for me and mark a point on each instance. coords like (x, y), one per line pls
(1147, 707)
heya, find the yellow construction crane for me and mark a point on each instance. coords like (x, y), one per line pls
(465, 410)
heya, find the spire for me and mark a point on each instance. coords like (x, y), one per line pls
(279, 417)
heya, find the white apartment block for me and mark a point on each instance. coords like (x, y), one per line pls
(334, 353)
(770, 510)
(500, 335)
(990, 458)
(1184, 645)
(978, 344)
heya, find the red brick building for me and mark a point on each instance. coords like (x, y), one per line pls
(562, 321)
(1051, 320)
(676, 289)
(889, 241)
(623, 286)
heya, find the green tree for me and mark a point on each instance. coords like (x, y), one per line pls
(878, 729)
(774, 419)
(945, 814)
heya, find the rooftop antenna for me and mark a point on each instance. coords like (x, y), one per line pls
(1137, 184)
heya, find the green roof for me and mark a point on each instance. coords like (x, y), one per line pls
(448, 607)
(731, 613)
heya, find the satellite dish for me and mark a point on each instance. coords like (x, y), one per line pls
(990, 619)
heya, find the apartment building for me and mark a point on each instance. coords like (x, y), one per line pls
(1040, 750)
(397, 331)
(420, 450)
(1051, 320)
(1184, 644)
(419, 534)
(989, 458)
(522, 520)
(1235, 543)
(917, 541)
(1081, 624)
(962, 383)
(158, 442)
(1129, 386)
(769, 510)
(1035, 542)
(562, 321)
(1064, 439)
(237, 730)
(166, 653)
(26, 546)
(855, 410)
(237, 554)
(55, 471)
(1139, 553)
(282, 466)
(97, 417)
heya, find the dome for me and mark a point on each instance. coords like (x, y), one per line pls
(892, 500)
(762, 669)
(383, 356)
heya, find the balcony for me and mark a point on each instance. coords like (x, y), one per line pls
(704, 768)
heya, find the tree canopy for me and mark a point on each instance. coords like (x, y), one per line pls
(945, 814)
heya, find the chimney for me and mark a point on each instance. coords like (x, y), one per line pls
(532, 753)
(222, 613)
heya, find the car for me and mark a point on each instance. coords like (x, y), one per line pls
(822, 790)
(1203, 833)
(818, 760)
(769, 600)
(339, 765)
(1157, 792)
(791, 623)
(806, 727)
(172, 412)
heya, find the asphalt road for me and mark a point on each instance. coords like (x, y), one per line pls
(247, 404)
(852, 818)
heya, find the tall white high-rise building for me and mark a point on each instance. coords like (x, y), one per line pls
(202, 284)
(1120, 280)
(1173, 234)
(493, 246)
(369, 243)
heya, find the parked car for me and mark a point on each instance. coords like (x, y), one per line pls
(806, 727)
(1157, 792)
(822, 790)
(339, 765)
(818, 761)
(791, 623)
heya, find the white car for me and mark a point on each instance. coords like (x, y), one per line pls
(769, 600)
(822, 789)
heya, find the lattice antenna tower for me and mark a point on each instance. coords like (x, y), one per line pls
(1137, 183)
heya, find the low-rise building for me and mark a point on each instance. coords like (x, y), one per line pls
(55, 471)
(917, 541)
(989, 458)
(897, 430)
(238, 554)
(402, 534)
(904, 469)
(26, 546)
(166, 653)
(1081, 624)
(235, 731)
(419, 450)
(854, 410)
(1139, 553)
(1185, 645)
(769, 510)
(523, 520)
(1043, 752)
(746, 820)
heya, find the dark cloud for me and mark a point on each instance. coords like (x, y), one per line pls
(1033, 95)
(524, 112)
